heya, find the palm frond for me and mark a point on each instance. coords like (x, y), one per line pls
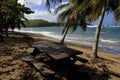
(52, 1)
(117, 14)
(63, 15)
(61, 7)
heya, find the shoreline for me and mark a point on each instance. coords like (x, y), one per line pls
(107, 44)
(103, 49)
(68, 43)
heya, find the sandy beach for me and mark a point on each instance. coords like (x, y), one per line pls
(14, 67)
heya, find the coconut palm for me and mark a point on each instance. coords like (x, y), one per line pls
(99, 8)
(71, 16)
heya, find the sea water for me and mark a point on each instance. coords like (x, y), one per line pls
(109, 37)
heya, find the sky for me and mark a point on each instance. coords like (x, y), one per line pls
(40, 11)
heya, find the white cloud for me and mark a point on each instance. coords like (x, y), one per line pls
(35, 2)
(45, 15)
(32, 2)
(22, 1)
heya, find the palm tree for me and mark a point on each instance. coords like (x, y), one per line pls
(71, 16)
(99, 8)
(101, 13)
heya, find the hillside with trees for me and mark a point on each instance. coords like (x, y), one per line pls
(39, 23)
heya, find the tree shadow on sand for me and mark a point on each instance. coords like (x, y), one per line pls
(82, 72)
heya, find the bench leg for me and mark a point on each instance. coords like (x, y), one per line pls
(35, 52)
(51, 77)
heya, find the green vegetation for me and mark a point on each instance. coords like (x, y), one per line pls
(38, 23)
(11, 15)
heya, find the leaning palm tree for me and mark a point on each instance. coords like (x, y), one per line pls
(71, 16)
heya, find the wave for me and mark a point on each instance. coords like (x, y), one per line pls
(30, 31)
(51, 34)
(45, 32)
(114, 26)
(24, 31)
(109, 41)
(92, 26)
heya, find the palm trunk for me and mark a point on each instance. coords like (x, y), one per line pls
(97, 34)
(64, 35)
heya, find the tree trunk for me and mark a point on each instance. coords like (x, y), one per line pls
(1, 38)
(6, 32)
(97, 34)
(1, 30)
(64, 35)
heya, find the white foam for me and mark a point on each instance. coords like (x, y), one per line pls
(92, 26)
(108, 41)
(45, 32)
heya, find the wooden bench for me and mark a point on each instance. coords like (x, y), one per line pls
(43, 68)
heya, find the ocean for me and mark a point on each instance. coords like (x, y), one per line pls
(109, 37)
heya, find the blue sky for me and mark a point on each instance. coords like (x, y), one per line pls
(40, 11)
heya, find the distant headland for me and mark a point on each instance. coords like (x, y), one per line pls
(39, 23)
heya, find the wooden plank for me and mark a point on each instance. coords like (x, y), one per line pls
(42, 68)
(80, 59)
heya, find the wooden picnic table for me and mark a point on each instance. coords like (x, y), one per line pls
(59, 55)
(54, 51)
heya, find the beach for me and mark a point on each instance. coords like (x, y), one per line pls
(14, 67)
